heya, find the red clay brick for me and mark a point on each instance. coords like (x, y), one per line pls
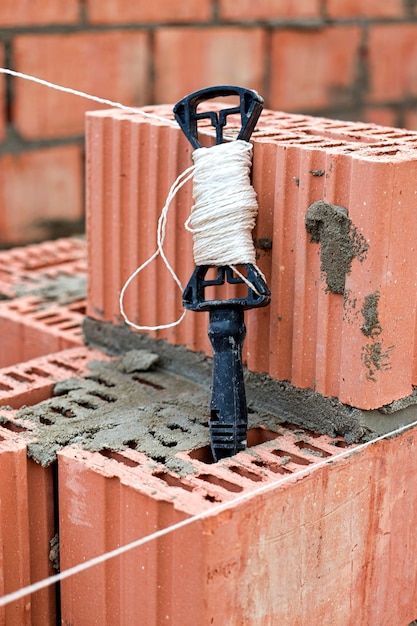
(383, 116)
(111, 65)
(392, 54)
(2, 99)
(29, 267)
(307, 335)
(228, 560)
(178, 72)
(364, 8)
(410, 120)
(30, 328)
(123, 11)
(28, 13)
(37, 187)
(31, 381)
(268, 9)
(310, 70)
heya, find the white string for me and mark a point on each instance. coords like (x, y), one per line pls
(221, 220)
(215, 510)
(225, 209)
(182, 179)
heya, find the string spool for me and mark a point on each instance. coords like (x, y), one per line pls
(225, 209)
(221, 220)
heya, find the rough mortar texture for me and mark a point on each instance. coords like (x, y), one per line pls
(340, 242)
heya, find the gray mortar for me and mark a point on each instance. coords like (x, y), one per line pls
(340, 242)
(273, 402)
(63, 289)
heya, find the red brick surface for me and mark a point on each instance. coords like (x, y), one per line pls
(28, 267)
(29, 13)
(123, 11)
(2, 99)
(308, 335)
(111, 65)
(268, 9)
(31, 329)
(364, 8)
(190, 59)
(319, 65)
(392, 47)
(353, 559)
(38, 187)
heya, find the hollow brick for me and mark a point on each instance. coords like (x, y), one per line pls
(225, 567)
(310, 335)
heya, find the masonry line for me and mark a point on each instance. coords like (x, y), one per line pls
(112, 103)
(230, 504)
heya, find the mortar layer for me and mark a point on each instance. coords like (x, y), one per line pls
(279, 400)
(340, 242)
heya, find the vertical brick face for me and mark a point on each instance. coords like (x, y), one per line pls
(268, 9)
(124, 11)
(313, 69)
(2, 99)
(111, 65)
(37, 187)
(393, 62)
(364, 8)
(190, 59)
(38, 12)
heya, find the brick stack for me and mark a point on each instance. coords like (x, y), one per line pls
(353, 340)
(255, 562)
(336, 58)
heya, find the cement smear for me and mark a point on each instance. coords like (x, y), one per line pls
(340, 242)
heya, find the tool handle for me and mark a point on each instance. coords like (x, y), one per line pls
(250, 107)
(229, 415)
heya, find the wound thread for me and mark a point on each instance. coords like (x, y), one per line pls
(225, 209)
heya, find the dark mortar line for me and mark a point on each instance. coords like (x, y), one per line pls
(14, 143)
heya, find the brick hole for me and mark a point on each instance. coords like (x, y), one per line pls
(101, 381)
(84, 404)
(339, 443)
(64, 366)
(102, 396)
(71, 326)
(4, 387)
(14, 428)
(306, 447)
(173, 481)
(42, 317)
(18, 377)
(80, 308)
(259, 435)
(255, 437)
(245, 473)
(120, 458)
(56, 321)
(174, 426)
(46, 421)
(272, 467)
(62, 411)
(220, 482)
(148, 383)
(298, 460)
(211, 498)
(36, 371)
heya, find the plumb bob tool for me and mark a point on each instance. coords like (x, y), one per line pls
(226, 330)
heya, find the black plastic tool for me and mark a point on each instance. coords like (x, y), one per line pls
(226, 330)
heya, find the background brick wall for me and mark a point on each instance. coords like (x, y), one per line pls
(349, 59)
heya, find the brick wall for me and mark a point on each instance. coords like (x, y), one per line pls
(350, 59)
